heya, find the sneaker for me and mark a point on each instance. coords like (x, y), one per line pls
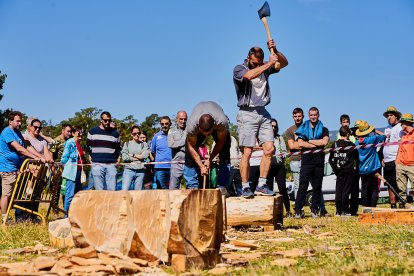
(247, 193)
(289, 214)
(300, 215)
(325, 213)
(393, 206)
(264, 191)
(345, 214)
(314, 213)
(337, 214)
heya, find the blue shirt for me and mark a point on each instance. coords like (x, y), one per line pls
(10, 159)
(369, 161)
(159, 146)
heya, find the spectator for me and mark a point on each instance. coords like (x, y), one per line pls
(253, 94)
(176, 141)
(345, 165)
(32, 137)
(312, 135)
(134, 152)
(12, 153)
(59, 142)
(149, 168)
(103, 146)
(162, 153)
(393, 133)
(292, 139)
(235, 185)
(344, 120)
(73, 158)
(405, 156)
(369, 162)
(277, 169)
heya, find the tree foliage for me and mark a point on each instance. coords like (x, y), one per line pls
(3, 113)
(151, 125)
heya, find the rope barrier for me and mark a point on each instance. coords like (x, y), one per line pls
(364, 146)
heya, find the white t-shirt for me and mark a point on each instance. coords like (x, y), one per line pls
(393, 134)
(37, 143)
(257, 97)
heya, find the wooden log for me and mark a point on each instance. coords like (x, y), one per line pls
(60, 235)
(150, 225)
(260, 210)
(387, 217)
(378, 210)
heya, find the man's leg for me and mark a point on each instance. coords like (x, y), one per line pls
(390, 174)
(347, 186)
(316, 182)
(176, 175)
(304, 178)
(295, 168)
(339, 192)
(139, 179)
(365, 190)
(7, 184)
(110, 177)
(190, 177)
(163, 177)
(354, 202)
(98, 174)
(245, 171)
(127, 178)
(70, 191)
(402, 180)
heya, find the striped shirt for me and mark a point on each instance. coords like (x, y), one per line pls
(103, 145)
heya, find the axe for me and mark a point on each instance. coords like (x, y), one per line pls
(400, 198)
(264, 12)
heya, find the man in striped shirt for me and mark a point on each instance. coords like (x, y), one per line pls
(103, 146)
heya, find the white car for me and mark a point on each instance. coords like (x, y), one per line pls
(329, 184)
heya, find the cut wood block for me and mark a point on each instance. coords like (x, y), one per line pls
(150, 225)
(244, 244)
(378, 210)
(181, 263)
(60, 235)
(260, 210)
(388, 217)
(87, 252)
(44, 262)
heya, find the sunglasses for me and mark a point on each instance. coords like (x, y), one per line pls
(37, 127)
(165, 124)
(135, 133)
(107, 120)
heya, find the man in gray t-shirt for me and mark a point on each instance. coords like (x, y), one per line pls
(207, 118)
(176, 141)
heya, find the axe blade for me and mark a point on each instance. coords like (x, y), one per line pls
(264, 11)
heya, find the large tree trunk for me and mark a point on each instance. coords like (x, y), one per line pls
(260, 210)
(151, 225)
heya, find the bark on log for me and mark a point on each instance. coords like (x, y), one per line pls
(150, 225)
(260, 210)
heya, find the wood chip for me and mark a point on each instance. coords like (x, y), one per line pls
(88, 252)
(280, 240)
(241, 243)
(308, 230)
(284, 262)
(236, 248)
(44, 262)
(139, 261)
(295, 253)
(85, 261)
(290, 230)
(126, 267)
(218, 270)
(65, 263)
(15, 251)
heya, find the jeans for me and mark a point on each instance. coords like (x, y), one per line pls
(235, 184)
(131, 175)
(177, 170)
(295, 168)
(163, 178)
(314, 174)
(104, 176)
(223, 174)
(72, 187)
(191, 177)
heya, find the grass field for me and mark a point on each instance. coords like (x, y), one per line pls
(347, 248)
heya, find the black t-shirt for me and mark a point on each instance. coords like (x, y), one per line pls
(315, 158)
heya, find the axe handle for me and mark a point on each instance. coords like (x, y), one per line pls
(269, 37)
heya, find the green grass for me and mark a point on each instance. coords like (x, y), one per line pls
(354, 249)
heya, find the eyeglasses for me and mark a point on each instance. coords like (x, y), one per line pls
(135, 133)
(274, 126)
(37, 127)
(107, 120)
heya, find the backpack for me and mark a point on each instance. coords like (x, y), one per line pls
(339, 160)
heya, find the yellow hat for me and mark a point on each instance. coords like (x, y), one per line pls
(393, 110)
(364, 128)
(357, 123)
(407, 117)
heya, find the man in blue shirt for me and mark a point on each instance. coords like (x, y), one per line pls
(162, 153)
(12, 153)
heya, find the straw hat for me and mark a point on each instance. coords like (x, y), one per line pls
(357, 123)
(364, 128)
(393, 110)
(407, 117)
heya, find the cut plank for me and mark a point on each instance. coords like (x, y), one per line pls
(60, 235)
(260, 210)
(387, 217)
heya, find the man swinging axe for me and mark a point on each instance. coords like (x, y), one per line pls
(253, 121)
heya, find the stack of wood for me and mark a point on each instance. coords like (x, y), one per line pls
(181, 227)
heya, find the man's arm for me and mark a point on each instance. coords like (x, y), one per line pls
(254, 73)
(304, 144)
(24, 151)
(320, 142)
(221, 140)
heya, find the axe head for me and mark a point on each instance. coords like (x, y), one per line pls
(264, 11)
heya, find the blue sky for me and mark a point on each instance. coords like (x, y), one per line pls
(143, 57)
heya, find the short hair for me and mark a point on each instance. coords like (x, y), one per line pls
(13, 114)
(343, 117)
(257, 52)
(64, 126)
(344, 131)
(76, 129)
(313, 108)
(106, 113)
(273, 120)
(297, 110)
(134, 127)
(35, 121)
(206, 122)
(165, 118)
(144, 133)
(29, 120)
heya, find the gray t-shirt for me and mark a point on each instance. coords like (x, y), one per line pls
(211, 108)
(176, 141)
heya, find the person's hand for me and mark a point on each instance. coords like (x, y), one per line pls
(271, 44)
(273, 59)
(383, 163)
(204, 170)
(207, 164)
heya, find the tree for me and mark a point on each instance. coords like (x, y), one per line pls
(150, 125)
(124, 127)
(3, 113)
